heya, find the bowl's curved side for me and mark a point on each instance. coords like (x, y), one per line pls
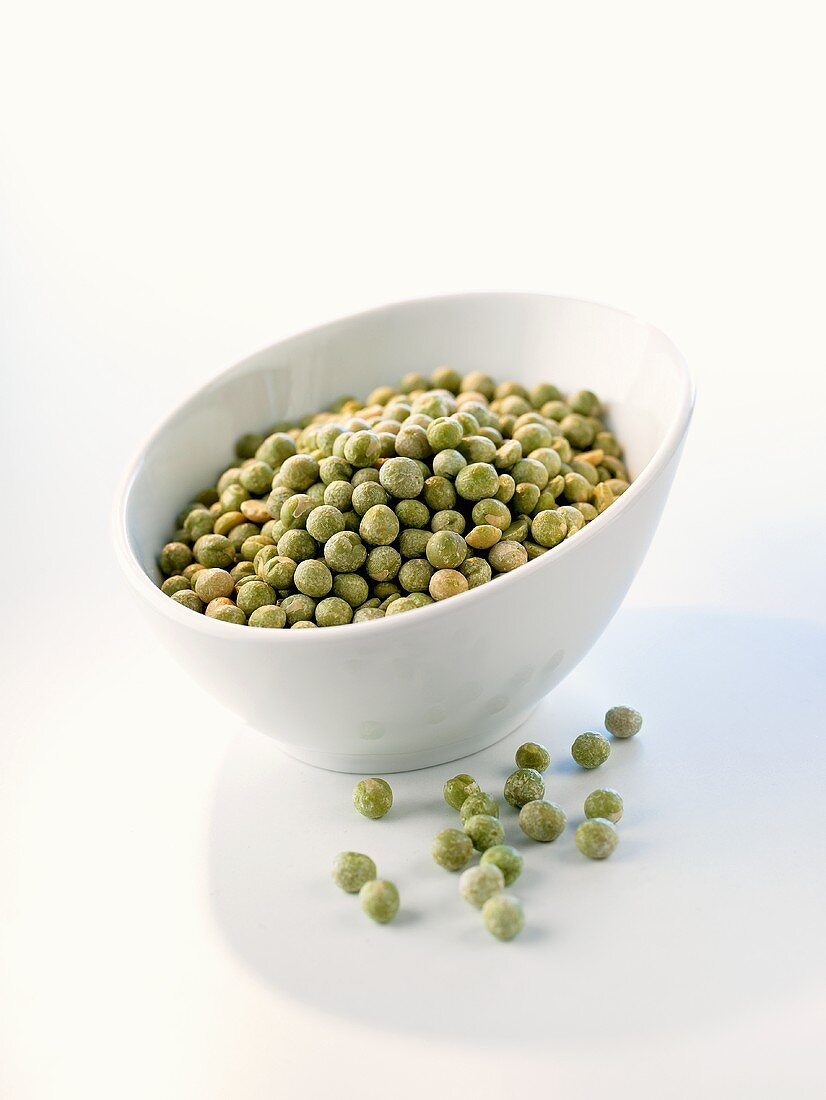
(422, 688)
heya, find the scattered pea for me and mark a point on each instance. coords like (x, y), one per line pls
(542, 821)
(379, 900)
(452, 849)
(623, 722)
(484, 831)
(478, 802)
(457, 789)
(590, 750)
(372, 797)
(606, 803)
(479, 883)
(503, 916)
(506, 858)
(533, 755)
(523, 785)
(351, 870)
(596, 838)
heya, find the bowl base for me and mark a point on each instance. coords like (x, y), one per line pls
(378, 763)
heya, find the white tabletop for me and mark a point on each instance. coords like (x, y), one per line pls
(168, 928)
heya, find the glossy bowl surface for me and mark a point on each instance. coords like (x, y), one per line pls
(436, 684)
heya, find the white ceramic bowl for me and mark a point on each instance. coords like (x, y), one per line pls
(455, 677)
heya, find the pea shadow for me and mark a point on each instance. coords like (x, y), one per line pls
(710, 910)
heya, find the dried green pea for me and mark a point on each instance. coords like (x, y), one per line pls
(444, 434)
(503, 916)
(251, 547)
(298, 608)
(351, 870)
(396, 605)
(233, 497)
(187, 598)
(276, 449)
(268, 616)
(175, 557)
(478, 884)
(548, 528)
(451, 849)
(446, 583)
(596, 838)
(298, 545)
(401, 477)
(446, 550)
(413, 542)
(577, 488)
(200, 521)
(384, 589)
(506, 489)
(608, 444)
(256, 477)
(562, 447)
(214, 551)
(476, 571)
(458, 789)
(585, 403)
(379, 526)
(256, 511)
(542, 821)
(477, 481)
(533, 755)
(506, 858)
(506, 556)
(339, 494)
(276, 569)
(344, 552)
(574, 519)
(367, 495)
(411, 440)
(478, 802)
(549, 458)
(383, 563)
(484, 831)
(523, 785)
(352, 588)
(525, 498)
(313, 578)
(211, 583)
(532, 436)
(333, 611)
(176, 583)
(448, 520)
(483, 537)
(362, 448)
(518, 530)
(587, 510)
(379, 900)
(590, 750)
(604, 802)
(254, 593)
(415, 575)
(367, 614)
(623, 722)
(372, 797)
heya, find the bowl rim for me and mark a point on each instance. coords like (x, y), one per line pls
(145, 587)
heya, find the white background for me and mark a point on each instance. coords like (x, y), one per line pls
(184, 183)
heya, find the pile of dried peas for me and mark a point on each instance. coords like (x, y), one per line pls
(422, 492)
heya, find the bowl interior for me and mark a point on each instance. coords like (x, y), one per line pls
(530, 338)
